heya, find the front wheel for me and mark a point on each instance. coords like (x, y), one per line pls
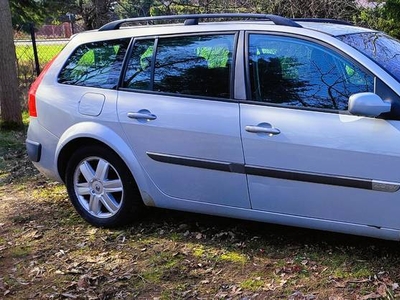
(101, 187)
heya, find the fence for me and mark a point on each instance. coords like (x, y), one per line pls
(35, 47)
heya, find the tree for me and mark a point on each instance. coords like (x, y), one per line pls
(24, 11)
(95, 13)
(10, 106)
(382, 15)
(335, 9)
(39, 11)
(132, 8)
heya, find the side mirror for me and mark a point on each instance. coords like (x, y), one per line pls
(368, 105)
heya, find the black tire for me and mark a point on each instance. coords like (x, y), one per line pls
(101, 187)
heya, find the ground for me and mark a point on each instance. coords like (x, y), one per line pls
(48, 252)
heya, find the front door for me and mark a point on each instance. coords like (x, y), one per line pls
(305, 155)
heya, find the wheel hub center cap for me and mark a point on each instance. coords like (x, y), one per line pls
(97, 187)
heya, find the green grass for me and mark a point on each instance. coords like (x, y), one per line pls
(252, 284)
(19, 251)
(56, 192)
(234, 257)
(8, 141)
(24, 53)
(11, 142)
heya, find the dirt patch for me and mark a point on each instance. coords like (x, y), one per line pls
(48, 252)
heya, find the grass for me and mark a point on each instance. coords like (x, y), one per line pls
(55, 192)
(9, 142)
(47, 251)
(27, 72)
(19, 252)
(234, 257)
(252, 284)
(24, 53)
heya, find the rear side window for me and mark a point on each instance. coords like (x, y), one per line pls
(95, 64)
(138, 74)
(188, 65)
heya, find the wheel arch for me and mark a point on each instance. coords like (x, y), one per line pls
(90, 133)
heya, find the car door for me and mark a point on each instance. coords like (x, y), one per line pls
(305, 155)
(176, 110)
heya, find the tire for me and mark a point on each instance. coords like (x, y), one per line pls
(101, 187)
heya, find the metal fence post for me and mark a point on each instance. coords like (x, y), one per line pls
(34, 46)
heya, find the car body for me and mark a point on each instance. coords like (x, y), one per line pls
(293, 122)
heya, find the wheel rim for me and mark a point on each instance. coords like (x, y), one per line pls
(98, 187)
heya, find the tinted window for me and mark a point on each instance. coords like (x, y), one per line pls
(138, 74)
(379, 47)
(298, 73)
(95, 64)
(189, 65)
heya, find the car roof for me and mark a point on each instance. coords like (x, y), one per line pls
(334, 29)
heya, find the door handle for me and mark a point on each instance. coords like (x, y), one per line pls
(262, 128)
(142, 114)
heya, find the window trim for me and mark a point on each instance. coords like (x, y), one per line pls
(156, 38)
(153, 63)
(300, 38)
(125, 63)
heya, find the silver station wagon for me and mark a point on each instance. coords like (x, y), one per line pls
(259, 117)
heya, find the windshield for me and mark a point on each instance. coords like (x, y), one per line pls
(378, 46)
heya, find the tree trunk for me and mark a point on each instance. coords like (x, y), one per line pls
(10, 105)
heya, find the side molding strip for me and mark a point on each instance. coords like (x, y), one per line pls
(352, 182)
(197, 162)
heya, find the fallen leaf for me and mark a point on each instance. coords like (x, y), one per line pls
(185, 293)
(74, 271)
(83, 282)
(381, 290)
(370, 296)
(236, 291)
(70, 296)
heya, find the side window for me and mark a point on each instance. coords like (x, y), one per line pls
(138, 73)
(295, 72)
(188, 65)
(95, 64)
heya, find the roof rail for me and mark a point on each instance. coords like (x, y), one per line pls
(321, 20)
(193, 19)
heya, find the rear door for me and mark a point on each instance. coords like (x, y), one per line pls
(176, 110)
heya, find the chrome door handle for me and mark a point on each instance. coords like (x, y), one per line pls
(262, 128)
(142, 115)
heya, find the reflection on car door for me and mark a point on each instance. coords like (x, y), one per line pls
(317, 163)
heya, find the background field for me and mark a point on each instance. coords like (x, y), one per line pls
(46, 52)
(26, 66)
(48, 252)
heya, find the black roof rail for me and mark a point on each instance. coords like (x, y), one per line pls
(321, 20)
(193, 19)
